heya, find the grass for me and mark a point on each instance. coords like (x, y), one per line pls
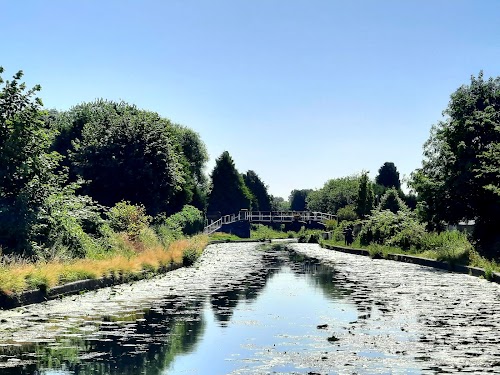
(263, 232)
(128, 259)
(220, 236)
(447, 247)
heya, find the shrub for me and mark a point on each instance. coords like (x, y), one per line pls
(392, 202)
(65, 227)
(189, 256)
(395, 229)
(331, 224)
(189, 221)
(129, 218)
(347, 213)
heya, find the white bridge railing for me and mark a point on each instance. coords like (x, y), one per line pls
(269, 217)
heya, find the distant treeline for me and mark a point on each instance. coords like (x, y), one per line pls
(65, 175)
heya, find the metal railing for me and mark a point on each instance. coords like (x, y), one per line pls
(269, 217)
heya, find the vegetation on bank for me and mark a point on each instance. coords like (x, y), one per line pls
(129, 258)
(453, 247)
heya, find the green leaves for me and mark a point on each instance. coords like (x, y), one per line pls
(229, 193)
(460, 174)
(335, 194)
(124, 153)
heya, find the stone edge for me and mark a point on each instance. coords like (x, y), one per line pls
(473, 271)
(36, 296)
(29, 297)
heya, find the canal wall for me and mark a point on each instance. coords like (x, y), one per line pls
(41, 295)
(473, 271)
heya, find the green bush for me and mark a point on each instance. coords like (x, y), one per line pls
(331, 224)
(347, 213)
(394, 229)
(392, 202)
(68, 226)
(263, 232)
(189, 257)
(129, 218)
(189, 221)
(167, 235)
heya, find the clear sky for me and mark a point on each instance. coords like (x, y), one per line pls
(298, 91)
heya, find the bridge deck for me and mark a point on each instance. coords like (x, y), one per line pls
(269, 217)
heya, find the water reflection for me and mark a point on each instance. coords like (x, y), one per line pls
(148, 341)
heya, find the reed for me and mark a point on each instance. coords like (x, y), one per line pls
(127, 258)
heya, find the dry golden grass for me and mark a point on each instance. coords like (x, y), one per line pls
(18, 276)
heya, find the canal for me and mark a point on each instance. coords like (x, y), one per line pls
(248, 309)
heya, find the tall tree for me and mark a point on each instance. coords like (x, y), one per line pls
(388, 176)
(298, 198)
(39, 212)
(364, 201)
(335, 194)
(262, 200)
(124, 153)
(460, 168)
(26, 167)
(229, 193)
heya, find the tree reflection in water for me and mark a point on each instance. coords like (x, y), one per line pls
(148, 341)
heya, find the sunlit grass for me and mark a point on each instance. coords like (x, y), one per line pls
(448, 249)
(221, 236)
(127, 258)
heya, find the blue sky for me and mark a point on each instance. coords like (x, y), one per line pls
(298, 91)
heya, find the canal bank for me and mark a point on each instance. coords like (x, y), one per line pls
(473, 271)
(271, 311)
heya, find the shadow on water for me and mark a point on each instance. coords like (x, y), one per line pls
(148, 341)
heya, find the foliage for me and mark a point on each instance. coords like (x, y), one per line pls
(388, 176)
(69, 226)
(27, 168)
(19, 275)
(128, 218)
(309, 237)
(124, 153)
(392, 202)
(189, 221)
(460, 168)
(279, 204)
(335, 194)
(229, 193)
(347, 213)
(263, 232)
(298, 198)
(331, 224)
(364, 200)
(261, 200)
(395, 229)
(194, 157)
(221, 236)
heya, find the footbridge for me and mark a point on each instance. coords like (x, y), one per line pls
(270, 217)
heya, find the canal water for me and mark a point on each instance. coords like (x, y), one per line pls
(248, 309)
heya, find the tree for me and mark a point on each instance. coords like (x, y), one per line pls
(261, 200)
(39, 212)
(298, 198)
(392, 202)
(335, 194)
(279, 204)
(229, 193)
(388, 176)
(127, 154)
(26, 167)
(347, 213)
(460, 168)
(364, 201)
